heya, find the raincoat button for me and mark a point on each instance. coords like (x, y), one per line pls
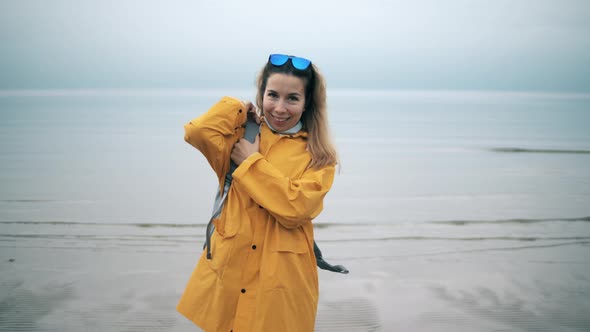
(243, 290)
(254, 247)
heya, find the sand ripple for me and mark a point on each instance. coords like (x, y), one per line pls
(350, 315)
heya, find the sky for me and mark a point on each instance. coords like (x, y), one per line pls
(522, 45)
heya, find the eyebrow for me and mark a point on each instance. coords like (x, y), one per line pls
(289, 94)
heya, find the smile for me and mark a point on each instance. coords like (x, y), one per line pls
(278, 119)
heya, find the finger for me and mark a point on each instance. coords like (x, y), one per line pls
(247, 104)
(254, 114)
(254, 117)
(235, 157)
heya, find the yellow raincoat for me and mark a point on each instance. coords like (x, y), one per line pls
(262, 276)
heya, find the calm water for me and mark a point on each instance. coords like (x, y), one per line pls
(119, 157)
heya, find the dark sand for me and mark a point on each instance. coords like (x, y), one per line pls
(73, 277)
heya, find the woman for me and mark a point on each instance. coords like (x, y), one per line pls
(259, 270)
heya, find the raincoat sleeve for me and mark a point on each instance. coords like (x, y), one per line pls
(215, 132)
(292, 202)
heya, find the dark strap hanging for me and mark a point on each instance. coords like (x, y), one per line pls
(252, 129)
(322, 264)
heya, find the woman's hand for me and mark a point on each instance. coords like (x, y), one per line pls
(252, 111)
(244, 149)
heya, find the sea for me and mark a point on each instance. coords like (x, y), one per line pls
(453, 210)
(118, 156)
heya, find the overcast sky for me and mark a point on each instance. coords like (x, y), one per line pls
(536, 45)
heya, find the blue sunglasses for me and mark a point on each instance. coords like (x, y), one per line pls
(297, 62)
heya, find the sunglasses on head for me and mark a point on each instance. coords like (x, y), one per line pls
(297, 62)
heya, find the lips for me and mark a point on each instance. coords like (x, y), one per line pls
(279, 119)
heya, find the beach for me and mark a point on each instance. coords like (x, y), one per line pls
(453, 210)
(101, 277)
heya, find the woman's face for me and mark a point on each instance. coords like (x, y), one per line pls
(283, 101)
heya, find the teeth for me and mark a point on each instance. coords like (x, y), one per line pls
(279, 119)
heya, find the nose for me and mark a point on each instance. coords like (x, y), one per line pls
(281, 107)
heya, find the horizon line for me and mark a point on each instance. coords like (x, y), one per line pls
(197, 92)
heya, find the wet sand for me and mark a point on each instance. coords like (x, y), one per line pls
(437, 277)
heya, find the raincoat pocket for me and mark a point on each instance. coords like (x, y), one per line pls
(221, 251)
(289, 240)
(230, 220)
(290, 265)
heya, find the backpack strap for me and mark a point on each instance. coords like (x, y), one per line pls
(322, 264)
(253, 129)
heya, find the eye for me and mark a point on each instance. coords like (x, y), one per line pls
(272, 94)
(293, 98)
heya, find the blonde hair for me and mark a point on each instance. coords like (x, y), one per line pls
(315, 118)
